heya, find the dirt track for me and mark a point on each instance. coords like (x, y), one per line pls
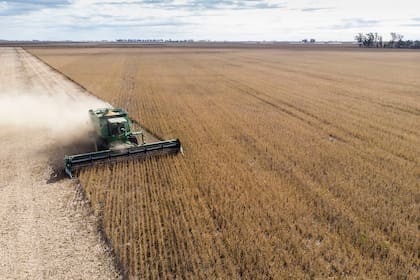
(46, 232)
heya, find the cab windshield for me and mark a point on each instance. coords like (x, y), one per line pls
(117, 126)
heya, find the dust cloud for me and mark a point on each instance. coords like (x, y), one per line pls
(53, 125)
(59, 116)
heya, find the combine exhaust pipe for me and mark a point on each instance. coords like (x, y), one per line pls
(72, 163)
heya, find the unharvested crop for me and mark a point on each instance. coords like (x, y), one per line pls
(298, 163)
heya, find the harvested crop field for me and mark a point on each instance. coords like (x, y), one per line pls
(298, 163)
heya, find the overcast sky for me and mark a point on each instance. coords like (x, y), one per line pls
(206, 19)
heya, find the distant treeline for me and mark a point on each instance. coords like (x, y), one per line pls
(374, 40)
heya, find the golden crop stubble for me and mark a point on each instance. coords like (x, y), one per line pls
(298, 163)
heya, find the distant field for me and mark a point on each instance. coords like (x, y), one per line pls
(298, 163)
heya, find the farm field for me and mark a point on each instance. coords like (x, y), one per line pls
(298, 163)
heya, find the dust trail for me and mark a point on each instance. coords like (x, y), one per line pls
(46, 231)
(55, 124)
(60, 115)
(43, 105)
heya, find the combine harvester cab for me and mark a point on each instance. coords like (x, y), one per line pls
(114, 141)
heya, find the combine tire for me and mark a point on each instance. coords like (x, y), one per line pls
(133, 140)
(100, 145)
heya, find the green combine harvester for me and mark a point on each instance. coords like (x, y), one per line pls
(114, 141)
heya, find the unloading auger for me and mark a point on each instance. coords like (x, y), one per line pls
(114, 141)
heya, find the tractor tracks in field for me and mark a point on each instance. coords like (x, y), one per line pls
(318, 123)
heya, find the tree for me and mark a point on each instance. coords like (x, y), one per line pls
(393, 36)
(400, 42)
(396, 40)
(375, 40)
(380, 42)
(369, 40)
(359, 38)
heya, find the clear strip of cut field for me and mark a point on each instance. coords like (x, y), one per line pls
(46, 230)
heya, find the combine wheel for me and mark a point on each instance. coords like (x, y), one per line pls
(133, 139)
(100, 145)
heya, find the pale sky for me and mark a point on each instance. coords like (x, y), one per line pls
(205, 19)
